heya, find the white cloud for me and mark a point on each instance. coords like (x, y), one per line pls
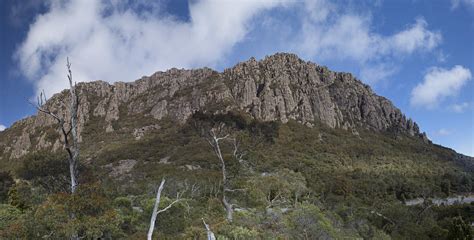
(416, 37)
(2, 127)
(340, 35)
(372, 74)
(439, 83)
(459, 107)
(110, 41)
(456, 3)
(443, 132)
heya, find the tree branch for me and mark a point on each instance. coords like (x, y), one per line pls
(178, 199)
(210, 234)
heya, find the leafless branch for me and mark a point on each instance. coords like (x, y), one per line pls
(157, 204)
(210, 234)
(178, 199)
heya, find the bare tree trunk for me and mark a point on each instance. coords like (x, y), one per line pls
(210, 234)
(155, 210)
(74, 148)
(229, 209)
(71, 145)
(217, 149)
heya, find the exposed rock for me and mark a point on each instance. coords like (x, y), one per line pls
(43, 143)
(138, 133)
(280, 87)
(159, 110)
(190, 167)
(165, 160)
(21, 146)
(122, 168)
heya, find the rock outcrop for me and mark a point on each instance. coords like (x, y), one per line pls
(278, 88)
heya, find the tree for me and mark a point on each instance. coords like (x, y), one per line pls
(6, 182)
(216, 129)
(214, 141)
(460, 230)
(69, 133)
(155, 212)
(275, 188)
(210, 234)
(70, 137)
(46, 170)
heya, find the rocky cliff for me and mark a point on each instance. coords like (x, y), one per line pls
(278, 88)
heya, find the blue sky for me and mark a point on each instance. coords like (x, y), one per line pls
(417, 53)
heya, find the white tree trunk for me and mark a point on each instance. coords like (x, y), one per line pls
(155, 210)
(71, 141)
(74, 148)
(71, 144)
(217, 149)
(210, 234)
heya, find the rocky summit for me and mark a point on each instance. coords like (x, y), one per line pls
(281, 87)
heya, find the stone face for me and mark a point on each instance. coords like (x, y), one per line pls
(122, 168)
(22, 145)
(280, 87)
(139, 133)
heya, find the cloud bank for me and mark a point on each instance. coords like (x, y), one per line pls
(438, 84)
(113, 41)
(2, 127)
(119, 41)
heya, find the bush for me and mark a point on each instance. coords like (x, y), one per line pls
(308, 222)
(94, 217)
(8, 214)
(6, 182)
(21, 196)
(282, 187)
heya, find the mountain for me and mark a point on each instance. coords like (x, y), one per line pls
(278, 88)
(320, 156)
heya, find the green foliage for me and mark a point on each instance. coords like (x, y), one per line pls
(93, 217)
(267, 131)
(23, 196)
(460, 230)
(281, 187)
(50, 171)
(42, 164)
(8, 214)
(242, 233)
(308, 222)
(6, 182)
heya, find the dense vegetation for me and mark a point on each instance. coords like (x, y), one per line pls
(295, 182)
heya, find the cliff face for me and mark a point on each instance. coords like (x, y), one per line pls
(278, 88)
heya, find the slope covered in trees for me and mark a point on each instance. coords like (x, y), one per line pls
(340, 167)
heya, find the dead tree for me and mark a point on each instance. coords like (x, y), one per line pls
(69, 133)
(215, 137)
(210, 234)
(155, 212)
(218, 129)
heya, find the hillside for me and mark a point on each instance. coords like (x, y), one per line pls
(323, 157)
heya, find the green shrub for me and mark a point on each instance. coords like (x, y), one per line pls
(6, 182)
(8, 214)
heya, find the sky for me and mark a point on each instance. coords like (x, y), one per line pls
(417, 53)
